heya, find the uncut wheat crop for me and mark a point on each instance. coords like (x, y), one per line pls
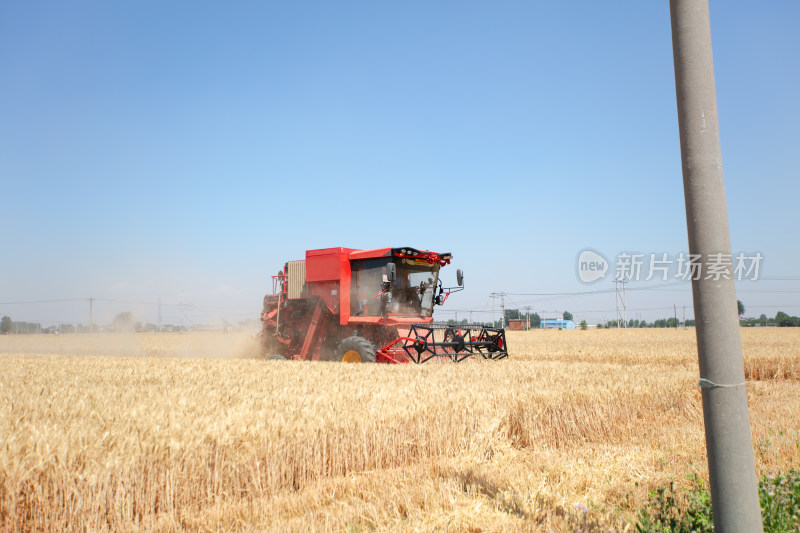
(174, 432)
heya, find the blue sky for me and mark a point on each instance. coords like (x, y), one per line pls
(186, 150)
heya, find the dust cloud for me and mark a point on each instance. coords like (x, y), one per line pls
(206, 345)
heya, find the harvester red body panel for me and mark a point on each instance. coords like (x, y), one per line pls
(353, 305)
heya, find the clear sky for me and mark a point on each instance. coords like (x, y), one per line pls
(186, 150)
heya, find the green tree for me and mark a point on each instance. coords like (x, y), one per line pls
(584, 325)
(740, 307)
(5, 325)
(568, 315)
(785, 320)
(512, 314)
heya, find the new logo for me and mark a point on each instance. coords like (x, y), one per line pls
(592, 266)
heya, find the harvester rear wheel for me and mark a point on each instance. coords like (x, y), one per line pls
(355, 350)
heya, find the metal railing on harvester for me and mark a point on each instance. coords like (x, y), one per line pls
(455, 341)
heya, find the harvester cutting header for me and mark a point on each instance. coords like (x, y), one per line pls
(341, 304)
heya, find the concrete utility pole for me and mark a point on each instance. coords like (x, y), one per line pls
(502, 310)
(91, 317)
(502, 296)
(734, 488)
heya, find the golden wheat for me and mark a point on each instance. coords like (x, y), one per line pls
(197, 436)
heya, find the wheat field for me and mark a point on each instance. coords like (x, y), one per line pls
(172, 432)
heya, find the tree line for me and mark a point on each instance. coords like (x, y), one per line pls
(781, 319)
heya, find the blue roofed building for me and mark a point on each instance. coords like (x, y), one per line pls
(555, 323)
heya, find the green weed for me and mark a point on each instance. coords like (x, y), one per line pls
(672, 512)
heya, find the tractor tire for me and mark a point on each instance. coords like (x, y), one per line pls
(355, 350)
(276, 357)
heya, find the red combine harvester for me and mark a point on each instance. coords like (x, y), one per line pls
(341, 304)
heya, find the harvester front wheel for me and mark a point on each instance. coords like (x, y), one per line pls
(355, 350)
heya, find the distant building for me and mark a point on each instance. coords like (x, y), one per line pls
(516, 325)
(554, 323)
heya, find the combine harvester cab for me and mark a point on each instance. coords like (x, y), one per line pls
(341, 304)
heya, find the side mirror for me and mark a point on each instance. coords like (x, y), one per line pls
(460, 277)
(391, 272)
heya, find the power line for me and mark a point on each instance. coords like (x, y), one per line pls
(45, 301)
(599, 291)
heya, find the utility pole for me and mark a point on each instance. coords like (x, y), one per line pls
(502, 310)
(91, 317)
(675, 311)
(729, 444)
(502, 296)
(620, 300)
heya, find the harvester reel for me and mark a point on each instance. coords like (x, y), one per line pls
(355, 350)
(451, 335)
(427, 341)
